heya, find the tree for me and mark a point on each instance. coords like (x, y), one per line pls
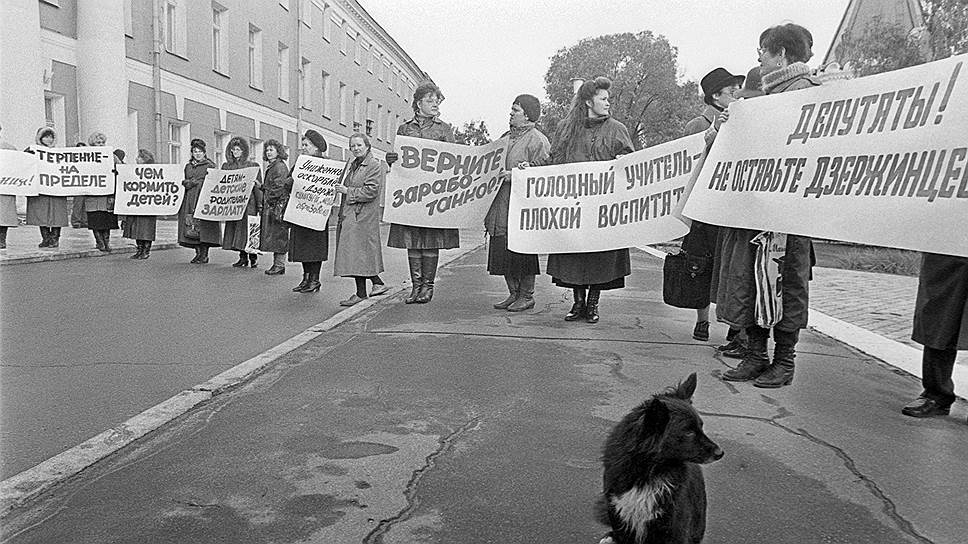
(946, 27)
(646, 94)
(472, 133)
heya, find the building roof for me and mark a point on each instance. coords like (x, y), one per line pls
(354, 8)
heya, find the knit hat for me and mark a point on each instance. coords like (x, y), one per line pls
(198, 143)
(317, 140)
(530, 105)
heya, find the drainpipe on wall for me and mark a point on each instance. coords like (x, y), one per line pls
(299, 74)
(156, 72)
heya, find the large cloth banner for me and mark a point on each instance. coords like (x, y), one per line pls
(597, 206)
(225, 194)
(313, 195)
(72, 171)
(149, 189)
(443, 185)
(880, 160)
(18, 173)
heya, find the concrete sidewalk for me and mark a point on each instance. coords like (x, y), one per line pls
(453, 422)
(77, 243)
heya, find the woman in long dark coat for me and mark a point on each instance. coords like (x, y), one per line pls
(423, 244)
(101, 219)
(307, 246)
(236, 235)
(141, 228)
(48, 212)
(275, 231)
(197, 234)
(588, 133)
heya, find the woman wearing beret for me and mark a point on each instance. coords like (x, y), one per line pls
(48, 212)
(527, 146)
(197, 234)
(308, 246)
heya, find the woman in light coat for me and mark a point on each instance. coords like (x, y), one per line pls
(48, 212)
(141, 228)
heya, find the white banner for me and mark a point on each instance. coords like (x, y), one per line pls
(598, 206)
(443, 185)
(18, 173)
(313, 193)
(149, 189)
(70, 171)
(225, 194)
(880, 160)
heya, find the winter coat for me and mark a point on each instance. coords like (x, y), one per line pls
(8, 203)
(236, 234)
(410, 237)
(941, 309)
(139, 227)
(358, 250)
(305, 244)
(532, 147)
(601, 140)
(702, 122)
(210, 232)
(46, 210)
(736, 293)
(275, 231)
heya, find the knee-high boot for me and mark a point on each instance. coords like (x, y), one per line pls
(525, 299)
(54, 237)
(513, 286)
(578, 308)
(756, 360)
(428, 272)
(416, 278)
(146, 246)
(45, 237)
(591, 307)
(780, 373)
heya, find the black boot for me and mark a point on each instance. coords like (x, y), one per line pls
(428, 271)
(756, 360)
(302, 284)
(416, 279)
(198, 256)
(141, 250)
(45, 237)
(253, 260)
(146, 245)
(98, 240)
(106, 236)
(578, 308)
(203, 259)
(54, 237)
(591, 308)
(513, 286)
(313, 285)
(243, 260)
(780, 373)
(3, 237)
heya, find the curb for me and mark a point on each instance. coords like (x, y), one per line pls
(20, 489)
(40, 257)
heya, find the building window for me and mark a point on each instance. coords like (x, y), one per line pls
(255, 149)
(327, 95)
(176, 36)
(306, 85)
(282, 67)
(305, 15)
(175, 142)
(358, 51)
(327, 22)
(342, 104)
(379, 121)
(128, 19)
(221, 140)
(55, 116)
(341, 37)
(380, 69)
(284, 4)
(368, 114)
(218, 39)
(357, 114)
(255, 57)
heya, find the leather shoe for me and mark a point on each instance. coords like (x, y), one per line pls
(352, 301)
(379, 289)
(925, 407)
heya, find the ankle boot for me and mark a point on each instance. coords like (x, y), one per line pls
(313, 285)
(756, 360)
(45, 237)
(54, 237)
(591, 307)
(513, 286)
(106, 236)
(141, 250)
(525, 299)
(198, 256)
(428, 271)
(302, 284)
(780, 373)
(203, 259)
(98, 240)
(253, 260)
(146, 246)
(578, 308)
(416, 280)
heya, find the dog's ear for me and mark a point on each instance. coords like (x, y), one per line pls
(654, 419)
(686, 388)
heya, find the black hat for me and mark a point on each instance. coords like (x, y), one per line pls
(717, 80)
(198, 143)
(530, 105)
(120, 154)
(317, 140)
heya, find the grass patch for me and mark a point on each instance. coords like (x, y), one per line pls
(882, 260)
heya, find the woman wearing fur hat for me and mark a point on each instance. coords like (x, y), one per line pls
(236, 234)
(141, 228)
(423, 244)
(197, 234)
(588, 133)
(48, 212)
(307, 246)
(527, 146)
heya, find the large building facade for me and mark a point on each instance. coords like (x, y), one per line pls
(154, 74)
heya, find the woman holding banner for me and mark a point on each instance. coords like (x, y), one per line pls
(8, 204)
(236, 235)
(307, 246)
(358, 252)
(48, 212)
(783, 53)
(588, 133)
(100, 209)
(526, 144)
(141, 228)
(274, 237)
(196, 233)
(423, 244)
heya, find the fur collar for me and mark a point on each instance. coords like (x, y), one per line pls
(783, 75)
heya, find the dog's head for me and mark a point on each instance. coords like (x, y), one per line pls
(672, 429)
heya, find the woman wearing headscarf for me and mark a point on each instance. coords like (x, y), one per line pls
(423, 244)
(236, 234)
(275, 231)
(308, 246)
(48, 212)
(589, 133)
(527, 146)
(197, 234)
(358, 250)
(141, 228)
(783, 53)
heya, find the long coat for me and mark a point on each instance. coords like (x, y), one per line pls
(236, 234)
(305, 244)
(8, 203)
(358, 250)
(275, 231)
(210, 232)
(139, 227)
(46, 210)
(410, 237)
(941, 309)
(531, 146)
(601, 140)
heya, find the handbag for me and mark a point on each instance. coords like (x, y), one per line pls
(191, 229)
(686, 279)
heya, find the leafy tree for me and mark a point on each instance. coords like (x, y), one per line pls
(472, 133)
(946, 26)
(646, 94)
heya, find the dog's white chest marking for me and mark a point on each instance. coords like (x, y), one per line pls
(639, 505)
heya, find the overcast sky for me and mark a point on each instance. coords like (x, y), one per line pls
(484, 53)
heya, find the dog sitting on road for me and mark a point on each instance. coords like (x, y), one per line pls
(654, 490)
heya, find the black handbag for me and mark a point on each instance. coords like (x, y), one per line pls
(686, 280)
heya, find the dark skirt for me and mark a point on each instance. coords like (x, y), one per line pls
(307, 245)
(502, 262)
(236, 234)
(140, 227)
(409, 237)
(102, 221)
(602, 270)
